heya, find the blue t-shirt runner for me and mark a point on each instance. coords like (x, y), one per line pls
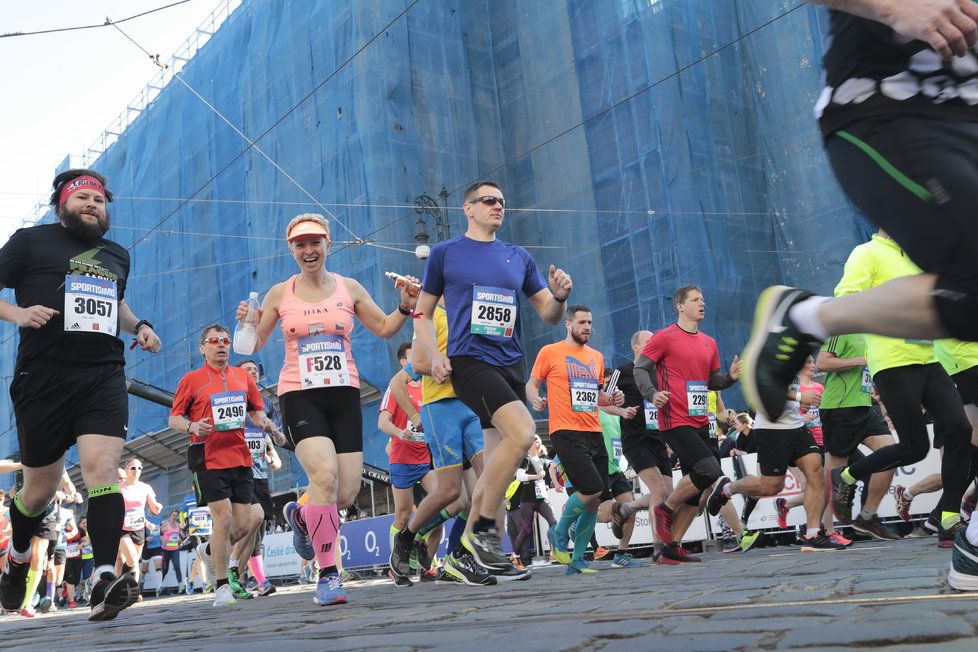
(481, 279)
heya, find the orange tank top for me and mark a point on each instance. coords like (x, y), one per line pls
(317, 340)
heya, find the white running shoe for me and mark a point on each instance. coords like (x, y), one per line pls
(224, 597)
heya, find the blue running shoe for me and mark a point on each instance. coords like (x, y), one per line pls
(576, 567)
(300, 536)
(625, 560)
(558, 546)
(329, 591)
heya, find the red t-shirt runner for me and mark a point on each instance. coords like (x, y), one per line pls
(226, 398)
(683, 364)
(405, 452)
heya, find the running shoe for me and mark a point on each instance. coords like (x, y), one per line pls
(400, 557)
(679, 554)
(835, 537)
(842, 495)
(487, 548)
(945, 537)
(27, 612)
(662, 518)
(427, 576)
(875, 528)
(558, 546)
(72, 604)
(717, 500)
(510, 574)
(920, 532)
(208, 588)
(300, 536)
(463, 568)
(252, 584)
(240, 592)
(659, 559)
(517, 563)
(963, 575)
(224, 596)
(159, 591)
(781, 506)
(748, 538)
(731, 545)
(969, 503)
(601, 553)
(399, 579)
(819, 543)
(420, 549)
(266, 588)
(206, 563)
(625, 560)
(617, 520)
(112, 594)
(45, 605)
(579, 567)
(444, 577)
(775, 352)
(329, 591)
(13, 585)
(187, 587)
(902, 502)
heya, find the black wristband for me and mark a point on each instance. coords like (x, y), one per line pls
(140, 324)
(404, 311)
(564, 300)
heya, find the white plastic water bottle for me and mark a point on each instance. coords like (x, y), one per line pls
(245, 333)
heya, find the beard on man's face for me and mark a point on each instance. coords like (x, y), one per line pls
(77, 225)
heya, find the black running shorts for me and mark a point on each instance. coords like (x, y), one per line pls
(485, 388)
(646, 451)
(843, 429)
(584, 458)
(236, 484)
(138, 536)
(54, 404)
(779, 449)
(332, 412)
(618, 484)
(263, 496)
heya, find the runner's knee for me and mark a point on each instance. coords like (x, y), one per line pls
(705, 472)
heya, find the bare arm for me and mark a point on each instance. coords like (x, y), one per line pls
(271, 455)
(267, 314)
(147, 338)
(420, 361)
(424, 329)
(155, 506)
(398, 387)
(551, 302)
(949, 26)
(828, 361)
(533, 394)
(370, 314)
(385, 424)
(33, 317)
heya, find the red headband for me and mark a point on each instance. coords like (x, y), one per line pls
(80, 183)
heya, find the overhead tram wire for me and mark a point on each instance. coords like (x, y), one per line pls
(81, 27)
(251, 143)
(608, 109)
(289, 112)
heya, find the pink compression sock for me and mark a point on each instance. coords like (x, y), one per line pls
(323, 525)
(257, 569)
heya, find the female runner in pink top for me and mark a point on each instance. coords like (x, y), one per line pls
(318, 387)
(137, 496)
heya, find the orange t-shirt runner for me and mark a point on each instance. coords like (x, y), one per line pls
(573, 375)
(225, 399)
(405, 452)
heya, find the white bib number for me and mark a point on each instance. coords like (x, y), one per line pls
(228, 409)
(135, 520)
(540, 488)
(415, 436)
(651, 415)
(91, 305)
(696, 397)
(713, 426)
(73, 549)
(584, 394)
(493, 311)
(816, 422)
(867, 385)
(256, 445)
(322, 361)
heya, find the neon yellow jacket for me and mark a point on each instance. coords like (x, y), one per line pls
(956, 356)
(871, 264)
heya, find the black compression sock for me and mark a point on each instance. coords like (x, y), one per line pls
(323, 572)
(24, 524)
(106, 511)
(483, 524)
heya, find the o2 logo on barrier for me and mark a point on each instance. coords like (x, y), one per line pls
(344, 548)
(370, 543)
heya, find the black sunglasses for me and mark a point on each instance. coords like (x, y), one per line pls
(489, 200)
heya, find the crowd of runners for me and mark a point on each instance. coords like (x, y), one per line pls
(900, 122)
